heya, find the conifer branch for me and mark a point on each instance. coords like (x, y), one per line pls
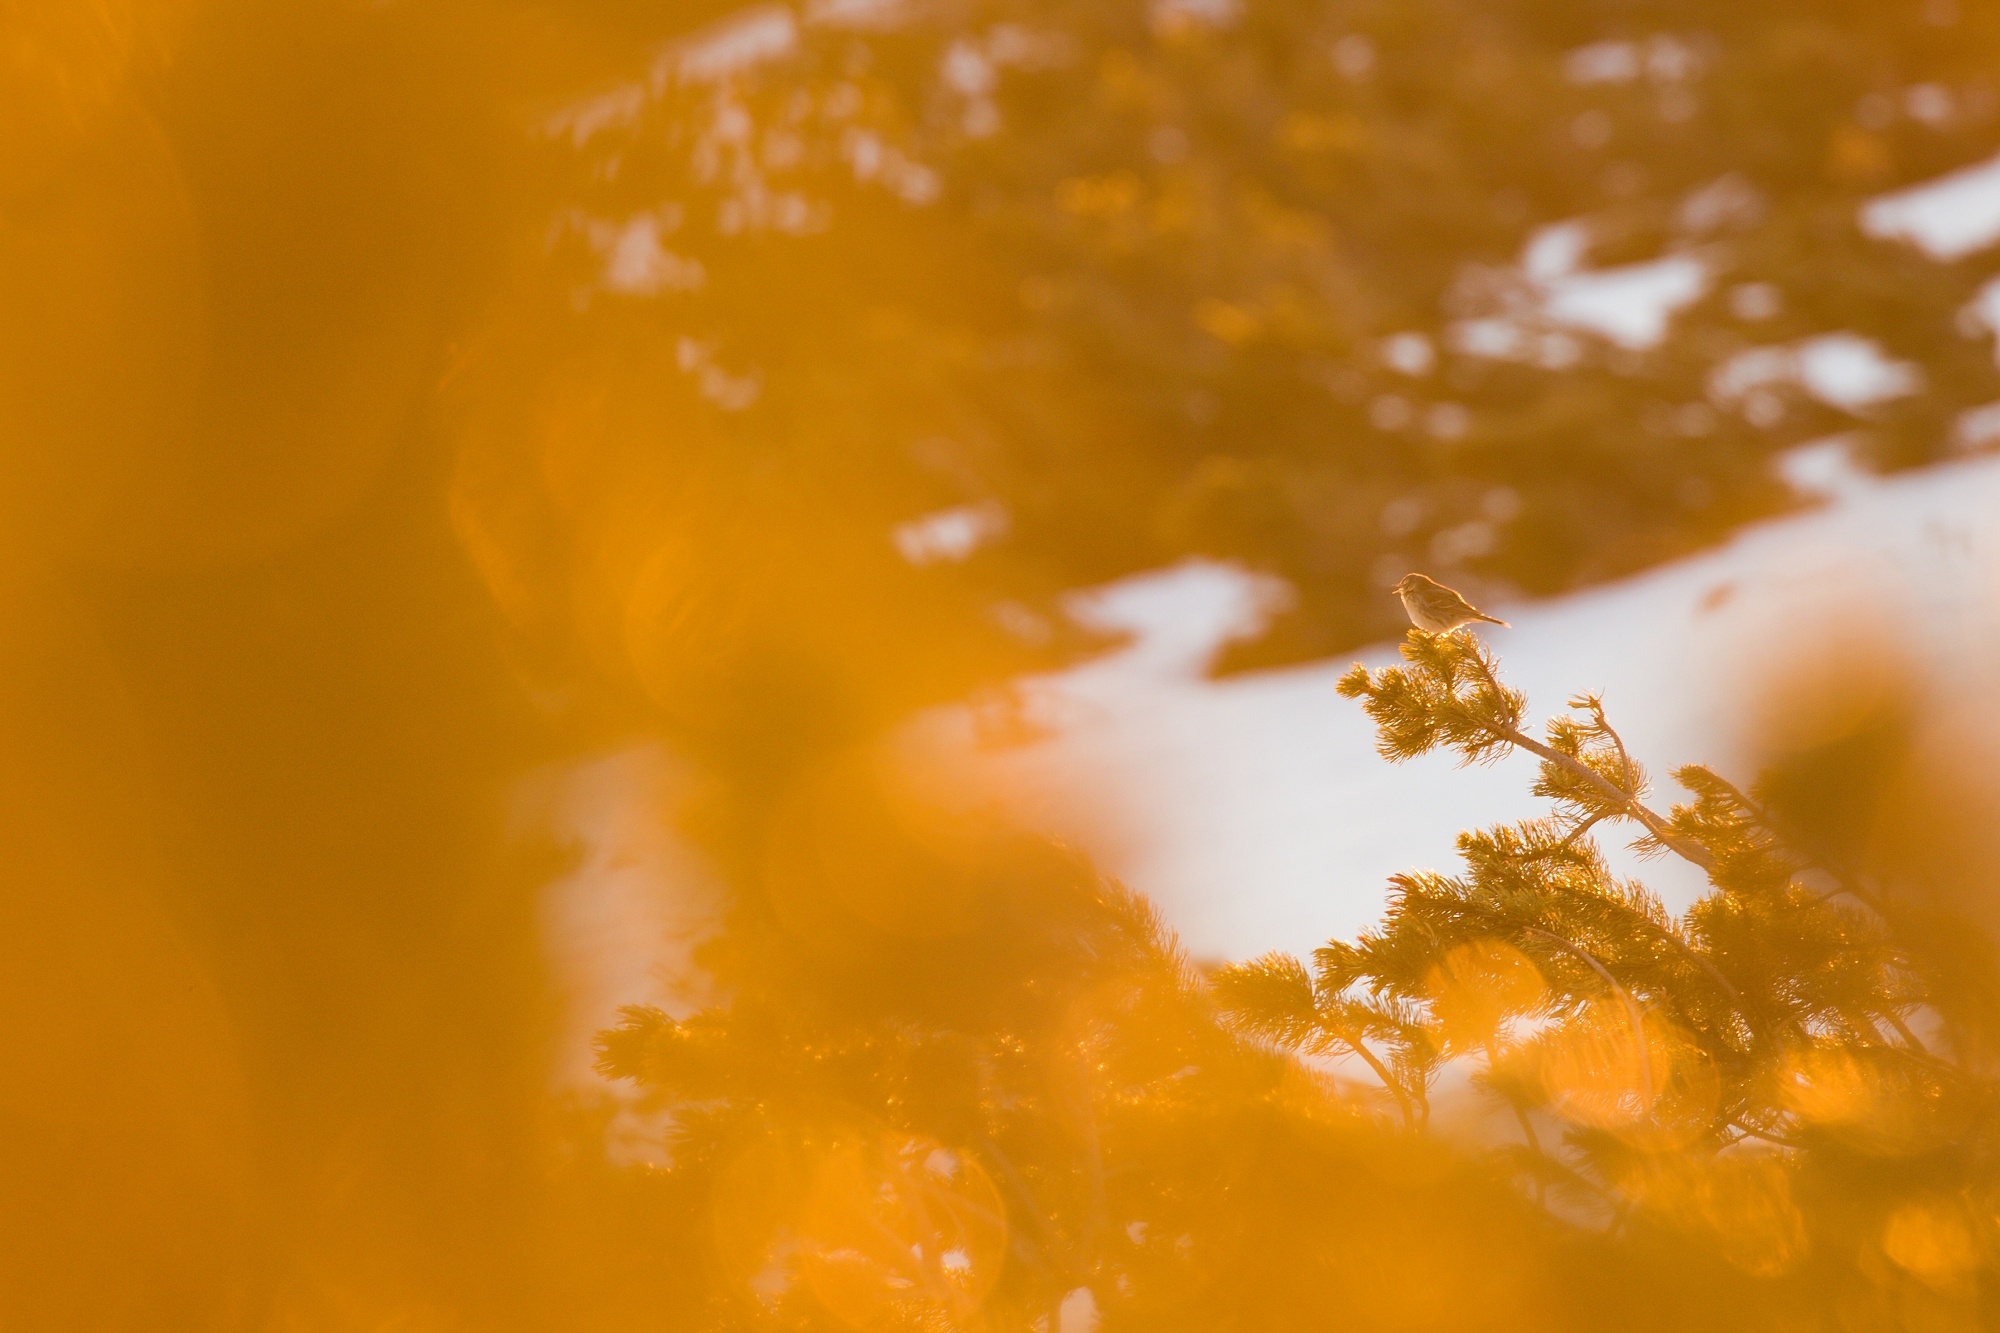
(1663, 932)
(1418, 713)
(1272, 997)
(1903, 1031)
(1516, 1101)
(1595, 704)
(1392, 1084)
(1034, 1212)
(1626, 801)
(1804, 976)
(1595, 818)
(1782, 1140)
(1844, 881)
(1634, 1016)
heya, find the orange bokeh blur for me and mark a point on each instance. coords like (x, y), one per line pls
(352, 479)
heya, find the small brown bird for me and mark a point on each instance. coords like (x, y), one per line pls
(1436, 608)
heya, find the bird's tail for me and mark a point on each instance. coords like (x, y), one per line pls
(1492, 620)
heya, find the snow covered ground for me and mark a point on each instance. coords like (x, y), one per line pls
(1254, 809)
(1256, 812)
(622, 926)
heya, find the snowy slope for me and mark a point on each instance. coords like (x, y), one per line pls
(1255, 811)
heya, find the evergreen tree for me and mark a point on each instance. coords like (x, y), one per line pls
(956, 1078)
(962, 1134)
(1251, 279)
(1747, 1075)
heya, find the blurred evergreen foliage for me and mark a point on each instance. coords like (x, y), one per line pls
(1262, 280)
(1748, 1075)
(1282, 283)
(704, 304)
(1774, 1109)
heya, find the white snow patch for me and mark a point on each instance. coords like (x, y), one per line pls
(1727, 201)
(1078, 1312)
(1948, 218)
(862, 14)
(1408, 353)
(1630, 305)
(621, 928)
(1181, 618)
(949, 534)
(1663, 58)
(1843, 370)
(1976, 428)
(1549, 290)
(583, 121)
(1824, 469)
(1554, 251)
(1847, 371)
(1255, 811)
(967, 71)
(1981, 315)
(725, 48)
(636, 264)
(731, 393)
(729, 46)
(1168, 15)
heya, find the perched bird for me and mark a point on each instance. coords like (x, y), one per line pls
(1436, 608)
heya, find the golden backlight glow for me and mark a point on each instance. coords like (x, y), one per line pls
(403, 402)
(883, 1231)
